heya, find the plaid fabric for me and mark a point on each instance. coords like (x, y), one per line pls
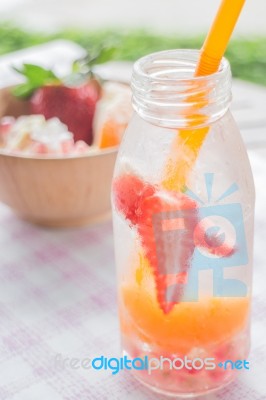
(58, 296)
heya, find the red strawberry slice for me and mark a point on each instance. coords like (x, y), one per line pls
(159, 216)
(128, 191)
(168, 243)
(139, 202)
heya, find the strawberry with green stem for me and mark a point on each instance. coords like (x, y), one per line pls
(71, 99)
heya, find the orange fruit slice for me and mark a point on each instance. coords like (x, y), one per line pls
(111, 134)
(189, 324)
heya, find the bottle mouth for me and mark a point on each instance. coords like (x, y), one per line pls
(165, 91)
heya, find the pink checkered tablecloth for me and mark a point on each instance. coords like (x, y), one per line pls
(58, 296)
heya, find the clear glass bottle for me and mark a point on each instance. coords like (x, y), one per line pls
(183, 210)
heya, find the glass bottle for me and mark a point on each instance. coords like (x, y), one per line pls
(183, 211)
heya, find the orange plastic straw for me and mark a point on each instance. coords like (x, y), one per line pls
(218, 37)
(188, 143)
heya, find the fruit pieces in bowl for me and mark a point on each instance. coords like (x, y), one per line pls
(44, 134)
(112, 115)
(95, 111)
(33, 135)
(74, 106)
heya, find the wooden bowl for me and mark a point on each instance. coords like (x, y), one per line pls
(58, 192)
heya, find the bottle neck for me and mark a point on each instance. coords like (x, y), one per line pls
(166, 93)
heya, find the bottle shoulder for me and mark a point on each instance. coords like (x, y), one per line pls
(217, 149)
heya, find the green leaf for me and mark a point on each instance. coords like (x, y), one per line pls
(36, 77)
(24, 91)
(98, 54)
(105, 54)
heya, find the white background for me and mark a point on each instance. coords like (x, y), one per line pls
(182, 16)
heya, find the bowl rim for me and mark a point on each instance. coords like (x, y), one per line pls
(94, 153)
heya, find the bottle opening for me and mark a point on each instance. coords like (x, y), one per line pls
(165, 91)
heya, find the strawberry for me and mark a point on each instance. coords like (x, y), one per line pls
(169, 253)
(6, 124)
(128, 190)
(74, 106)
(139, 202)
(72, 99)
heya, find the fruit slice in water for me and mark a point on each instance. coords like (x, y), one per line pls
(166, 222)
(168, 243)
(128, 192)
(141, 203)
(189, 324)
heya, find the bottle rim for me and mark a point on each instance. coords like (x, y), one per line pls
(165, 90)
(138, 67)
